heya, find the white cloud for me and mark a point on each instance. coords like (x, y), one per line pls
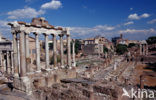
(135, 16)
(3, 23)
(133, 31)
(145, 15)
(152, 21)
(5, 29)
(24, 13)
(54, 4)
(92, 31)
(129, 23)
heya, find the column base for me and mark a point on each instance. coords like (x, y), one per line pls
(62, 66)
(55, 68)
(23, 84)
(48, 69)
(38, 71)
(74, 64)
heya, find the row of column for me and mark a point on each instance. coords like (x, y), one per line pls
(143, 49)
(6, 62)
(24, 52)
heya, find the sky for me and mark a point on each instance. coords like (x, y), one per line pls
(135, 19)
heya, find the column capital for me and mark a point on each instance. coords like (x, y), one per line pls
(73, 40)
(54, 35)
(35, 33)
(61, 35)
(13, 31)
(45, 34)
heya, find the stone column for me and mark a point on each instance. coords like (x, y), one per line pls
(2, 55)
(54, 51)
(8, 63)
(37, 52)
(73, 46)
(18, 55)
(1, 60)
(46, 51)
(68, 51)
(12, 65)
(22, 55)
(27, 51)
(146, 49)
(140, 49)
(15, 55)
(62, 53)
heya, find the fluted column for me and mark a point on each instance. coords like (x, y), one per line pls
(68, 51)
(73, 53)
(37, 52)
(8, 62)
(12, 65)
(15, 55)
(54, 50)
(22, 55)
(27, 51)
(62, 54)
(46, 51)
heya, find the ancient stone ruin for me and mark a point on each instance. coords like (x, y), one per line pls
(23, 77)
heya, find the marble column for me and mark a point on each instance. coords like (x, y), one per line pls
(62, 51)
(22, 54)
(54, 51)
(27, 51)
(12, 65)
(140, 49)
(15, 55)
(37, 52)
(18, 56)
(8, 62)
(68, 51)
(46, 51)
(144, 49)
(1, 61)
(73, 53)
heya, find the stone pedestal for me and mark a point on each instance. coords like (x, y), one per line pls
(23, 84)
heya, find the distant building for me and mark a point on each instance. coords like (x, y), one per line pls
(6, 54)
(95, 45)
(121, 40)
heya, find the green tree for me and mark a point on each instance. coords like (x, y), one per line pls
(77, 46)
(151, 40)
(105, 49)
(131, 45)
(121, 49)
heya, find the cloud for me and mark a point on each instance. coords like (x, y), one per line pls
(54, 4)
(131, 9)
(152, 21)
(5, 29)
(129, 23)
(85, 32)
(145, 15)
(134, 31)
(24, 13)
(135, 16)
